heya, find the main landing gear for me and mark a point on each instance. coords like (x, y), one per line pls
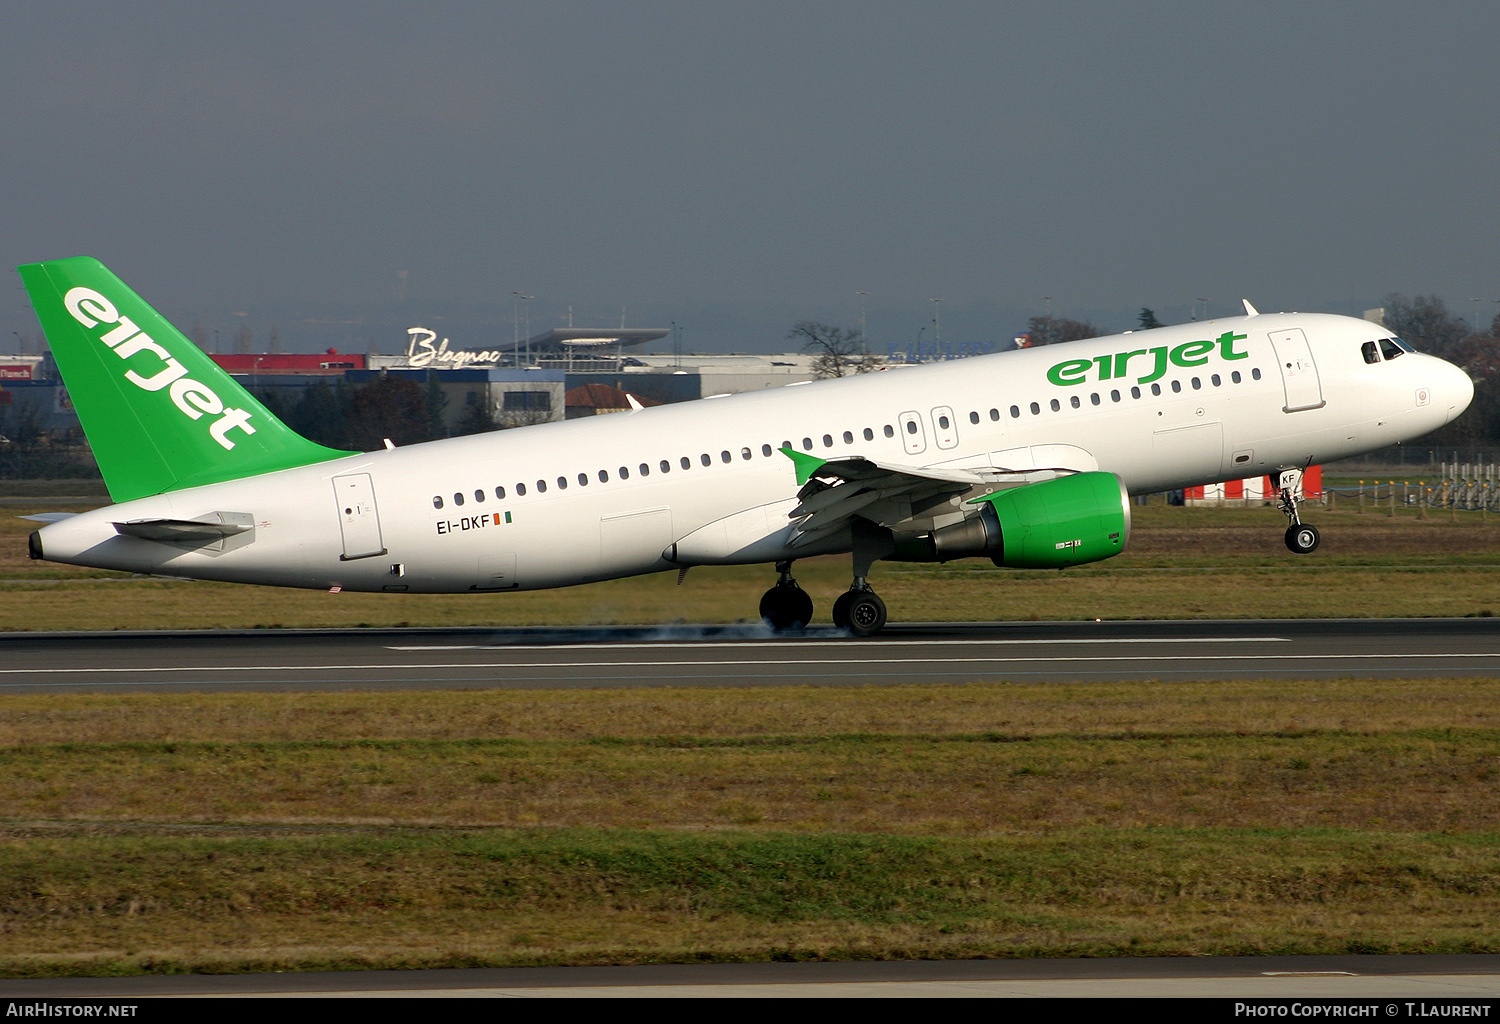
(1301, 538)
(859, 610)
(786, 605)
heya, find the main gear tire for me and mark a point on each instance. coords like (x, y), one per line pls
(841, 609)
(786, 608)
(866, 613)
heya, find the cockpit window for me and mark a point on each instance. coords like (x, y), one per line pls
(1391, 348)
(1403, 346)
(1371, 352)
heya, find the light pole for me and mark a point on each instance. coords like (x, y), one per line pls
(1205, 306)
(919, 342)
(526, 299)
(515, 326)
(864, 342)
(937, 324)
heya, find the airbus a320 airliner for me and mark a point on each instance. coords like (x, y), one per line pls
(1028, 458)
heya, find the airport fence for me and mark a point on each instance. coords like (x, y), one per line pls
(1455, 487)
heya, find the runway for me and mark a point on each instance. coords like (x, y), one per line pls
(1433, 979)
(907, 653)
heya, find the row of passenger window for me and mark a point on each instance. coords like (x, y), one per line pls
(1114, 396)
(665, 465)
(622, 473)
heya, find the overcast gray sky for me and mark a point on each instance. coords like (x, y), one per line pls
(738, 166)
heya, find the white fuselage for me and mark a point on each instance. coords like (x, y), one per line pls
(590, 499)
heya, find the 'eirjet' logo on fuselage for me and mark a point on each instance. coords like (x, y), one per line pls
(1117, 365)
(194, 399)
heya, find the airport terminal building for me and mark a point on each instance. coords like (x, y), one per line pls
(557, 374)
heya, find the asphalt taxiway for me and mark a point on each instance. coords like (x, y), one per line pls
(744, 655)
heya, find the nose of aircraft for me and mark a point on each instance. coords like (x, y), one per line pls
(1453, 389)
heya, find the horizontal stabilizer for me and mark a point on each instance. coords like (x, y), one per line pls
(49, 517)
(206, 530)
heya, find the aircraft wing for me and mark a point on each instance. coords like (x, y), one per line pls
(834, 490)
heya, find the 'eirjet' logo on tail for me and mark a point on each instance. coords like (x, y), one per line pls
(91, 309)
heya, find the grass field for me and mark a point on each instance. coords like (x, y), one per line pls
(219, 832)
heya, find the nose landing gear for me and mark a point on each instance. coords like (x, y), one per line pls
(1301, 538)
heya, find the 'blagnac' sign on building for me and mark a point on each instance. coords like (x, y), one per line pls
(424, 350)
(421, 352)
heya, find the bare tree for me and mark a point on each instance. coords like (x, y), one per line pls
(1051, 330)
(839, 351)
(1424, 322)
(510, 418)
(387, 407)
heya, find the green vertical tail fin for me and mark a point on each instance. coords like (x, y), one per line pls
(159, 414)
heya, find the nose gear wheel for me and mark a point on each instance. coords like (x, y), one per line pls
(1303, 539)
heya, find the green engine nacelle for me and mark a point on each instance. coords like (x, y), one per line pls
(1050, 525)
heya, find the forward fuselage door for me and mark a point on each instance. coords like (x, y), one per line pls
(358, 519)
(913, 436)
(944, 427)
(1299, 374)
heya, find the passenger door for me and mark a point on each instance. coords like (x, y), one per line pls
(359, 521)
(1299, 374)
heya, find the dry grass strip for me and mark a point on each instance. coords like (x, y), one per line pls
(1017, 710)
(233, 832)
(125, 904)
(971, 760)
